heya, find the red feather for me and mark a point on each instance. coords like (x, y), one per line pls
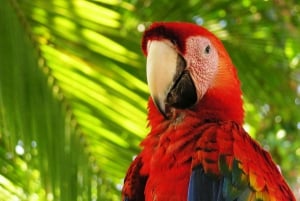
(209, 135)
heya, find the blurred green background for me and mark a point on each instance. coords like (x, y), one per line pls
(73, 95)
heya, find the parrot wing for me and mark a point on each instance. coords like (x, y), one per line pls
(133, 189)
(204, 188)
(229, 166)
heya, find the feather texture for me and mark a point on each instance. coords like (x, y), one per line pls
(213, 161)
(201, 152)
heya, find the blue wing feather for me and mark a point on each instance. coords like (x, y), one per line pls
(203, 187)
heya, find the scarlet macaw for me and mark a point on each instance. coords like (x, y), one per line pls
(197, 149)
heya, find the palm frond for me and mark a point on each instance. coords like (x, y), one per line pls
(73, 93)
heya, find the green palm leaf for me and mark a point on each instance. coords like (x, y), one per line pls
(73, 95)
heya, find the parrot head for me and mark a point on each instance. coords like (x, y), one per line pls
(189, 72)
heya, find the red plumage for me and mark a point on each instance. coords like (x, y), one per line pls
(205, 134)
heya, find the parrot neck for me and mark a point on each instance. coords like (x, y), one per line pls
(221, 104)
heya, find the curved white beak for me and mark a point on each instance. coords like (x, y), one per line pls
(161, 68)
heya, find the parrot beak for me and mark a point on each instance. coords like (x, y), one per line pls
(169, 81)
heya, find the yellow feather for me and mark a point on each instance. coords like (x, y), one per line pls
(263, 196)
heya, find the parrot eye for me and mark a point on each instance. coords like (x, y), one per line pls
(207, 49)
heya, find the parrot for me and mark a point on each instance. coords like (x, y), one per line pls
(197, 148)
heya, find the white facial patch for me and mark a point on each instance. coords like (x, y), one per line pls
(202, 61)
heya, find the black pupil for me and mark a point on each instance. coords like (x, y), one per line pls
(207, 49)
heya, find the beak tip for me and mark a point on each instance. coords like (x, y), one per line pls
(160, 106)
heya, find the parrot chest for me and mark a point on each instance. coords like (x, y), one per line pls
(170, 167)
(170, 185)
(171, 159)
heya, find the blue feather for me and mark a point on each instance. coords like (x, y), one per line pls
(203, 187)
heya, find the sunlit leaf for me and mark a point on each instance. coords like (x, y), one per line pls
(73, 96)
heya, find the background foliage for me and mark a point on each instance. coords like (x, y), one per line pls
(73, 93)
